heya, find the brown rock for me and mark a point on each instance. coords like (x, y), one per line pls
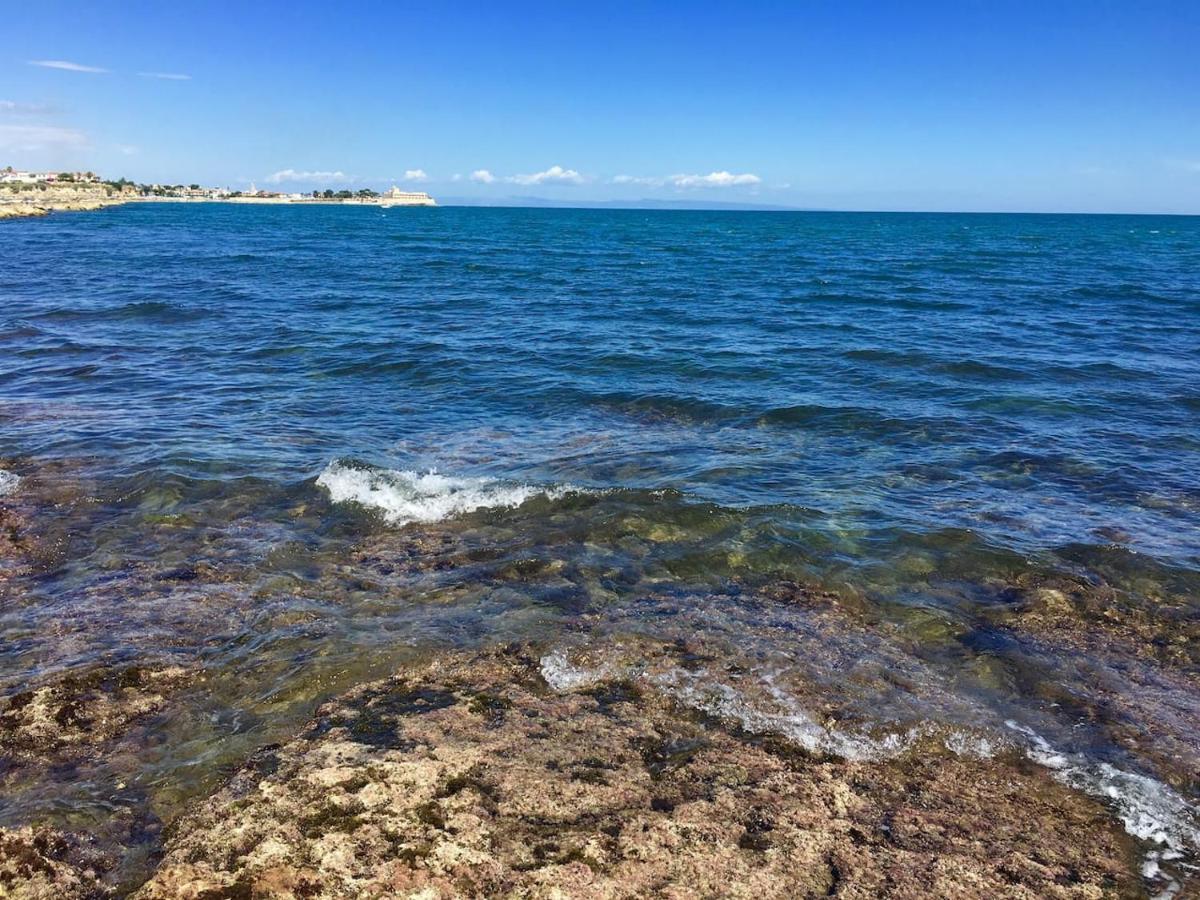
(470, 777)
(43, 864)
(80, 711)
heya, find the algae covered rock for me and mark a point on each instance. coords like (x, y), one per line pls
(80, 711)
(44, 864)
(472, 777)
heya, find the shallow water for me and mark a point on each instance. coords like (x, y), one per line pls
(291, 448)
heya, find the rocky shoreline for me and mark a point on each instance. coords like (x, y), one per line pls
(510, 773)
(42, 201)
(33, 210)
(658, 747)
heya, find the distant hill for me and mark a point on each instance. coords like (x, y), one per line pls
(617, 204)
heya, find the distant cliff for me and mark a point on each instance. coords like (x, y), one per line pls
(21, 200)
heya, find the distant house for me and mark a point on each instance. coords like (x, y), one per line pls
(9, 175)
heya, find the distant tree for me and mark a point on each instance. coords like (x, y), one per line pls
(194, 187)
(316, 194)
(328, 194)
(344, 195)
(367, 192)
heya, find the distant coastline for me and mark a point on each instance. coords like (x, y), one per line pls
(29, 194)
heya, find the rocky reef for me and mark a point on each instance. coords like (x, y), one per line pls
(471, 776)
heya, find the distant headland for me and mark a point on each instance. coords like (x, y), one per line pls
(39, 193)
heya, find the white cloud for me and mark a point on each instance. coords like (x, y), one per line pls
(166, 76)
(66, 66)
(457, 176)
(714, 179)
(483, 176)
(39, 137)
(128, 149)
(290, 175)
(553, 175)
(415, 175)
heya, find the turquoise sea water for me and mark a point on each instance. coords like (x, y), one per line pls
(291, 446)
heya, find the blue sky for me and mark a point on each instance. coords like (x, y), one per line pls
(942, 106)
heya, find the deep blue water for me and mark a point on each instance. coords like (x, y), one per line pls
(285, 447)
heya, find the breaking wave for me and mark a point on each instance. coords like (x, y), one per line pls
(403, 496)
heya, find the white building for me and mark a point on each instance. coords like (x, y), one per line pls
(12, 176)
(397, 197)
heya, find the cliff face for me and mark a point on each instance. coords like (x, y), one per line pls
(19, 201)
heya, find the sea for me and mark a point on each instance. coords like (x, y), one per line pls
(943, 467)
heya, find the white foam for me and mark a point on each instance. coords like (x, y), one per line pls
(406, 496)
(8, 482)
(788, 719)
(966, 744)
(564, 676)
(1149, 809)
(780, 713)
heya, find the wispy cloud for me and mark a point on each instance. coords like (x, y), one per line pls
(483, 176)
(39, 137)
(12, 107)
(415, 175)
(67, 66)
(1186, 165)
(291, 175)
(638, 179)
(166, 76)
(714, 179)
(553, 175)
(128, 149)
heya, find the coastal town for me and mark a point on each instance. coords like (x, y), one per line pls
(25, 193)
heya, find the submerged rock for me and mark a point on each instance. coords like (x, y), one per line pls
(1159, 624)
(80, 712)
(44, 864)
(471, 776)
